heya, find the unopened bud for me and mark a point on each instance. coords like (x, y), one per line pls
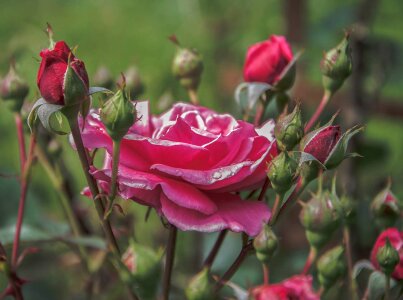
(187, 66)
(145, 268)
(103, 78)
(265, 244)
(289, 129)
(336, 65)
(134, 83)
(14, 89)
(200, 286)
(331, 266)
(282, 172)
(118, 114)
(385, 208)
(387, 257)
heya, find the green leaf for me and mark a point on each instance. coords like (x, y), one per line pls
(360, 266)
(247, 94)
(87, 241)
(32, 114)
(28, 234)
(376, 287)
(98, 89)
(52, 118)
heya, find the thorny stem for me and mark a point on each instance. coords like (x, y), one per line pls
(92, 184)
(213, 253)
(169, 262)
(193, 96)
(57, 181)
(114, 177)
(310, 260)
(347, 242)
(234, 267)
(325, 99)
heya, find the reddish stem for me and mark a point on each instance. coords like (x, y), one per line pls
(21, 140)
(265, 274)
(310, 260)
(297, 191)
(319, 110)
(264, 189)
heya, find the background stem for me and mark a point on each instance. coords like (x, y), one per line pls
(213, 253)
(319, 110)
(169, 262)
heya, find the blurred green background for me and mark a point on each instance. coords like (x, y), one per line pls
(117, 34)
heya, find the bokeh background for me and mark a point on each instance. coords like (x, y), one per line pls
(118, 34)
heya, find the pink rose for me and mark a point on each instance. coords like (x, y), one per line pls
(187, 164)
(396, 240)
(296, 287)
(265, 61)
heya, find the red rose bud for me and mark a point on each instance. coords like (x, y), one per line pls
(145, 267)
(134, 84)
(331, 266)
(103, 78)
(265, 244)
(200, 287)
(118, 114)
(62, 78)
(328, 145)
(266, 61)
(336, 65)
(282, 172)
(320, 218)
(187, 66)
(386, 256)
(385, 208)
(14, 88)
(289, 129)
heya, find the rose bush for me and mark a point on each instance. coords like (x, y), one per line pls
(265, 61)
(296, 287)
(396, 240)
(52, 72)
(187, 164)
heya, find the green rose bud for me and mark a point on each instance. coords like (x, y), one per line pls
(200, 287)
(320, 219)
(385, 208)
(14, 89)
(336, 65)
(265, 244)
(387, 257)
(282, 172)
(145, 268)
(289, 129)
(118, 114)
(331, 266)
(187, 66)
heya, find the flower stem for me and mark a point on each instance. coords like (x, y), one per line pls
(387, 287)
(310, 260)
(265, 274)
(325, 99)
(234, 267)
(264, 189)
(21, 140)
(114, 177)
(213, 253)
(193, 96)
(294, 195)
(276, 209)
(347, 242)
(169, 262)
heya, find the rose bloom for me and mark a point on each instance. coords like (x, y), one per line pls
(265, 61)
(187, 164)
(298, 287)
(52, 72)
(396, 240)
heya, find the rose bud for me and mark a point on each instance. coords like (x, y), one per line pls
(387, 257)
(267, 61)
(62, 78)
(327, 145)
(265, 244)
(145, 268)
(200, 286)
(14, 88)
(118, 114)
(336, 65)
(289, 129)
(395, 239)
(282, 172)
(187, 66)
(331, 266)
(103, 78)
(134, 84)
(385, 208)
(320, 219)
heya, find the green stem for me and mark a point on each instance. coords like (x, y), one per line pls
(387, 287)
(276, 209)
(347, 242)
(169, 262)
(114, 177)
